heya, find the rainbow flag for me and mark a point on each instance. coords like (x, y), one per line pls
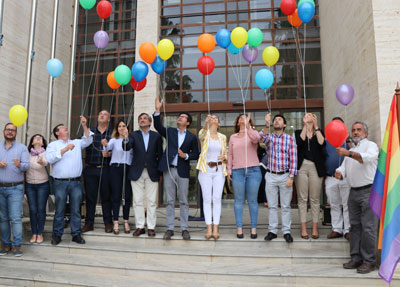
(385, 196)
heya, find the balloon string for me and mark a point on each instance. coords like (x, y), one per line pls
(123, 102)
(94, 87)
(208, 90)
(84, 61)
(131, 110)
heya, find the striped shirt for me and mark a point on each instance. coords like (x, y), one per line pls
(282, 152)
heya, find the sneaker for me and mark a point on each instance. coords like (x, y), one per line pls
(185, 235)
(17, 251)
(5, 250)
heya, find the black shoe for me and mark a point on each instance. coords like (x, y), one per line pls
(253, 236)
(185, 235)
(55, 240)
(168, 234)
(240, 236)
(78, 239)
(352, 264)
(270, 236)
(288, 238)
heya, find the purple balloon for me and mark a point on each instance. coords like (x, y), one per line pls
(345, 94)
(100, 39)
(249, 54)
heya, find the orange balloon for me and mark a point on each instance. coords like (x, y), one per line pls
(148, 52)
(206, 43)
(294, 19)
(112, 83)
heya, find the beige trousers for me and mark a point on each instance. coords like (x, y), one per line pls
(308, 185)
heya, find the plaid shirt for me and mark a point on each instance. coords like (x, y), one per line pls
(94, 155)
(282, 152)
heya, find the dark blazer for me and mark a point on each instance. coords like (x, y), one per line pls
(189, 146)
(316, 149)
(144, 159)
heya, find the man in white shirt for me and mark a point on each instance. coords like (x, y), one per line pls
(65, 156)
(359, 168)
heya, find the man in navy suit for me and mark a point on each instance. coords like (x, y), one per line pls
(144, 173)
(181, 147)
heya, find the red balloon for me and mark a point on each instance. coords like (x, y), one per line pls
(336, 133)
(288, 7)
(104, 9)
(206, 65)
(138, 86)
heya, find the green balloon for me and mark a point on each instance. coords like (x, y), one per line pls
(87, 4)
(301, 1)
(122, 74)
(255, 37)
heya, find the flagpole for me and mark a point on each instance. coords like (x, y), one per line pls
(398, 103)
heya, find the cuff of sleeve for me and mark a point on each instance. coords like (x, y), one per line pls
(156, 114)
(187, 156)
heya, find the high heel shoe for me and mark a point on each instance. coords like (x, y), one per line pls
(33, 239)
(208, 234)
(127, 229)
(116, 228)
(39, 239)
(216, 232)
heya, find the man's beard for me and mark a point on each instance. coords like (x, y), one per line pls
(278, 128)
(357, 139)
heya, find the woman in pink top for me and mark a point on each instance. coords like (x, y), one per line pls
(244, 171)
(37, 186)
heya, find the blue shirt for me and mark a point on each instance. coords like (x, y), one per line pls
(181, 139)
(68, 165)
(332, 159)
(118, 154)
(11, 173)
(146, 137)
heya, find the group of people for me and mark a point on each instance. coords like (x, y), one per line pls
(125, 168)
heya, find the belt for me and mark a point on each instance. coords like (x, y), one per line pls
(96, 166)
(362, 187)
(69, 179)
(277, 172)
(214, 164)
(173, 166)
(118, 164)
(11, 184)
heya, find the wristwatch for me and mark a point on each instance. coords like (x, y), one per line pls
(291, 176)
(316, 130)
(350, 154)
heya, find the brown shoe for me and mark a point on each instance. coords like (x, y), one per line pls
(139, 231)
(352, 264)
(365, 268)
(334, 234)
(108, 228)
(151, 233)
(209, 232)
(87, 228)
(347, 236)
(216, 232)
(127, 228)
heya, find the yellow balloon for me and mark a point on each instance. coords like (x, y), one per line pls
(270, 56)
(239, 37)
(18, 115)
(165, 49)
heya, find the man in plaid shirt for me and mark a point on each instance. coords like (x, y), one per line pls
(281, 169)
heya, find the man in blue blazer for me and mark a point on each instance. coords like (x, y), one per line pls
(181, 147)
(144, 173)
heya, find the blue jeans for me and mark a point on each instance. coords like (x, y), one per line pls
(62, 189)
(246, 186)
(37, 199)
(10, 213)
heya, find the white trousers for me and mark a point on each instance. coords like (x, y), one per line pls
(212, 184)
(338, 192)
(144, 190)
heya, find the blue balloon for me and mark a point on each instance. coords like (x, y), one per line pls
(223, 38)
(140, 71)
(54, 67)
(306, 11)
(158, 65)
(264, 79)
(233, 49)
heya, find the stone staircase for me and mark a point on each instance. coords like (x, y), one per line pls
(121, 260)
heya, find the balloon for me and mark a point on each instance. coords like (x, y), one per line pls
(54, 67)
(288, 7)
(223, 38)
(138, 86)
(270, 56)
(264, 79)
(249, 54)
(104, 9)
(255, 37)
(336, 133)
(233, 49)
(301, 1)
(100, 39)
(18, 115)
(239, 37)
(87, 4)
(306, 11)
(165, 49)
(112, 83)
(206, 43)
(148, 52)
(206, 65)
(345, 94)
(294, 19)
(140, 71)
(122, 74)
(158, 65)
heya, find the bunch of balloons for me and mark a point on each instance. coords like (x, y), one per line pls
(299, 13)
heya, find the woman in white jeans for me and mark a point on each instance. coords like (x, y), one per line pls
(212, 166)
